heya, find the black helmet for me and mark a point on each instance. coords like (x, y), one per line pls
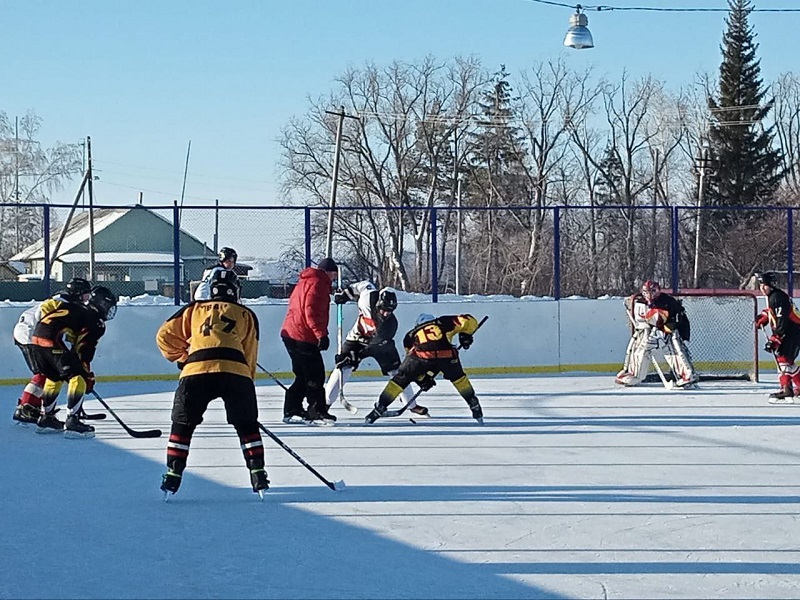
(227, 253)
(104, 302)
(766, 278)
(225, 286)
(77, 287)
(387, 300)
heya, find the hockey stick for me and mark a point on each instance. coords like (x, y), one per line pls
(402, 409)
(667, 384)
(148, 433)
(275, 379)
(336, 486)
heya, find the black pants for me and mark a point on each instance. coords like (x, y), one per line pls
(384, 354)
(309, 378)
(414, 367)
(194, 394)
(55, 364)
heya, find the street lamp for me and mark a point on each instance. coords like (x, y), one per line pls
(578, 35)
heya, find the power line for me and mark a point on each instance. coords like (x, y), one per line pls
(602, 7)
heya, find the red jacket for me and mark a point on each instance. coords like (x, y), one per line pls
(309, 307)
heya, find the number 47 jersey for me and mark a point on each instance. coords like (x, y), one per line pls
(211, 336)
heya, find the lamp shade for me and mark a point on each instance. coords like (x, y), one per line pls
(578, 35)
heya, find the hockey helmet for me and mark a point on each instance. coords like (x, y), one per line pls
(225, 286)
(77, 287)
(650, 290)
(424, 318)
(387, 300)
(227, 254)
(104, 302)
(766, 278)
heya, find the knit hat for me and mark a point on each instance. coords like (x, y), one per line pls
(328, 265)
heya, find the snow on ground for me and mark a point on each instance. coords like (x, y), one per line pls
(574, 488)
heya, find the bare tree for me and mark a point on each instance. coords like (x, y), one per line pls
(29, 174)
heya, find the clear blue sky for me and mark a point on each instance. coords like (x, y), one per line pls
(144, 77)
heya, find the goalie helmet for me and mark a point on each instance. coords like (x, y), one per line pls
(77, 287)
(650, 290)
(766, 278)
(225, 286)
(227, 254)
(424, 318)
(104, 302)
(387, 300)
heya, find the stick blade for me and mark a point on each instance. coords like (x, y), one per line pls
(338, 486)
(149, 433)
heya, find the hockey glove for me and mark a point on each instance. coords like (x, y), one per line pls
(324, 343)
(347, 359)
(426, 382)
(762, 320)
(340, 297)
(465, 340)
(89, 378)
(773, 343)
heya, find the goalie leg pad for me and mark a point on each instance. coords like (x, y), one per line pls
(680, 361)
(639, 364)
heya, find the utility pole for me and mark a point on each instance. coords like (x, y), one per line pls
(704, 168)
(185, 173)
(335, 176)
(16, 183)
(89, 178)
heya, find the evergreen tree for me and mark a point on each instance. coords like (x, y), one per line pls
(748, 166)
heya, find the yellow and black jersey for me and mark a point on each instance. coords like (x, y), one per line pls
(433, 339)
(69, 326)
(211, 336)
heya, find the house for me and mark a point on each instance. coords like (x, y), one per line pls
(131, 244)
(7, 271)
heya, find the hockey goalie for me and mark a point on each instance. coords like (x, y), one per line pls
(659, 326)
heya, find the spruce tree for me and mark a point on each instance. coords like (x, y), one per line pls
(747, 165)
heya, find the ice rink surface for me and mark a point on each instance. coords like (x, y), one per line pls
(574, 488)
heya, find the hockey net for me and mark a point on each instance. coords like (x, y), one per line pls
(723, 342)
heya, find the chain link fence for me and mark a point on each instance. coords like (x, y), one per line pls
(516, 251)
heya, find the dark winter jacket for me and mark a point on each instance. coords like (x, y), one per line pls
(309, 307)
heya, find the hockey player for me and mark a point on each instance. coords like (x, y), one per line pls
(784, 320)
(669, 330)
(227, 262)
(372, 335)
(29, 405)
(215, 345)
(429, 351)
(64, 342)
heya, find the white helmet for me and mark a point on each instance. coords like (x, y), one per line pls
(424, 318)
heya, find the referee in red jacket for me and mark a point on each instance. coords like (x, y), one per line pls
(305, 335)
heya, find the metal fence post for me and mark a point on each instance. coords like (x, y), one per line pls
(176, 253)
(557, 253)
(434, 259)
(47, 285)
(675, 251)
(790, 250)
(308, 235)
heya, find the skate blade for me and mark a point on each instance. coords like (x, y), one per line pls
(75, 435)
(167, 495)
(48, 430)
(24, 424)
(260, 495)
(781, 400)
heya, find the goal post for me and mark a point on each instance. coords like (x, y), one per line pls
(723, 340)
